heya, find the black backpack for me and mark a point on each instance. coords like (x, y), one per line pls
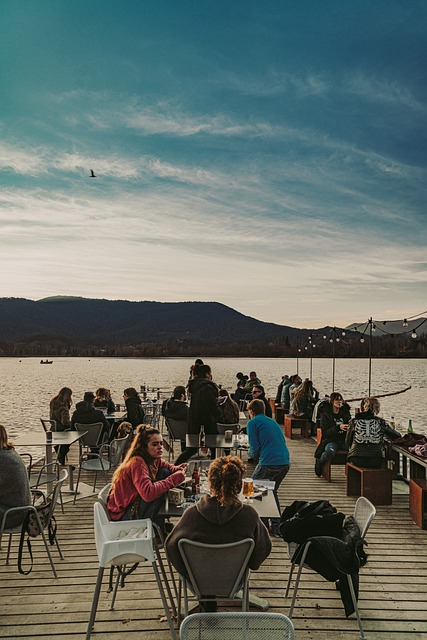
(302, 520)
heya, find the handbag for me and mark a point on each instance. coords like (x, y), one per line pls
(31, 527)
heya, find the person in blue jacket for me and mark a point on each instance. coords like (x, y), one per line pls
(267, 444)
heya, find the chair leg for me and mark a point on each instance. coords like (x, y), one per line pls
(300, 568)
(164, 576)
(8, 549)
(179, 617)
(164, 601)
(288, 586)
(48, 550)
(59, 548)
(115, 589)
(95, 602)
(77, 483)
(356, 608)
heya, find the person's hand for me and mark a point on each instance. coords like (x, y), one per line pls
(183, 466)
(343, 427)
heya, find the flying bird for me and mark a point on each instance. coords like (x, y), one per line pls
(92, 175)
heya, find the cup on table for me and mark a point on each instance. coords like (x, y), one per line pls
(248, 489)
(228, 435)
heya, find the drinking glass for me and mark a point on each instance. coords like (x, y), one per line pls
(248, 489)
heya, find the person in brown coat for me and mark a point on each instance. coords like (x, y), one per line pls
(221, 517)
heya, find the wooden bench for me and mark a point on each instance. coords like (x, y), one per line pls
(292, 422)
(280, 414)
(374, 484)
(340, 458)
(418, 502)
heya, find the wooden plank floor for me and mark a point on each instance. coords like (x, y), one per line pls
(393, 589)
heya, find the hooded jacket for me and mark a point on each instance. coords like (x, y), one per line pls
(135, 414)
(86, 413)
(209, 522)
(203, 405)
(176, 409)
(60, 412)
(330, 425)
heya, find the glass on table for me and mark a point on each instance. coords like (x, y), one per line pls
(248, 489)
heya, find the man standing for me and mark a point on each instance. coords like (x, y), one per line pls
(267, 442)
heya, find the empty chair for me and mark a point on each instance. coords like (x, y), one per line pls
(46, 475)
(215, 570)
(92, 436)
(236, 626)
(107, 459)
(48, 425)
(177, 430)
(364, 513)
(120, 543)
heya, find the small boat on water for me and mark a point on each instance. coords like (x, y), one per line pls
(46, 361)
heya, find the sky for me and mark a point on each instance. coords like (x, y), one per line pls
(268, 155)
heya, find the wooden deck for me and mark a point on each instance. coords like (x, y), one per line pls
(393, 585)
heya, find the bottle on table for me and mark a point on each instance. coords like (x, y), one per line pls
(195, 484)
(410, 428)
(392, 422)
(202, 437)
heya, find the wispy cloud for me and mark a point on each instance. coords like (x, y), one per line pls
(382, 91)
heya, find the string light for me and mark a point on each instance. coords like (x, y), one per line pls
(414, 334)
(405, 323)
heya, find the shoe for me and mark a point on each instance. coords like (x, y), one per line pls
(318, 468)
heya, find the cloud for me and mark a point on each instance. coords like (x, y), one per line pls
(382, 91)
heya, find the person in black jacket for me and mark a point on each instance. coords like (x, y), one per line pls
(134, 412)
(86, 413)
(334, 424)
(203, 407)
(258, 393)
(176, 407)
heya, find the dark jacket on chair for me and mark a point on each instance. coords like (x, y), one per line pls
(203, 405)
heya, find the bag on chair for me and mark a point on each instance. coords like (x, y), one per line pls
(302, 520)
(30, 526)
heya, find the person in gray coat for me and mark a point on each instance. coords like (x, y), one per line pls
(14, 484)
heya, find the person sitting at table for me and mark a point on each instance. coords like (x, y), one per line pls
(14, 484)
(103, 400)
(303, 402)
(258, 393)
(135, 414)
(221, 518)
(59, 410)
(140, 483)
(365, 436)
(86, 413)
(176, 407)
(229, 411)
(333, 422)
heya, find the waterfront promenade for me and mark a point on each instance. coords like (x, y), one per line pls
(393, 585)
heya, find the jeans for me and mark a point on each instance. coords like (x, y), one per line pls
(330, 450)
(274, 473)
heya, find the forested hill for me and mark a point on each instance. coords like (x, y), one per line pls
(112, 323)
(70, 326)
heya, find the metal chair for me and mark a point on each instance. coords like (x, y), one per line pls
(48, 425)
(177, 430)
(21, 513)
(108, 459)
(92, 437)
(203, 578)
(236, 626)
(364, 512)
(120, 543)
(47, 474)
(222, 428)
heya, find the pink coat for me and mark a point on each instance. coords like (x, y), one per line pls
(135, 480)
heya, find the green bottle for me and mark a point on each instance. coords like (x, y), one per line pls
(410, 429)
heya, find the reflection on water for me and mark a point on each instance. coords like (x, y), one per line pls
(27, 386)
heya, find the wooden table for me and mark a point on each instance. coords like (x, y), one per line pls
(416, 476)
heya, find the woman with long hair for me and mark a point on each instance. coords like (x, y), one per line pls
(14, 484)
(141, 482)
(221, 517)
(229, 410)
(60, 406)
(304, 399)
(103, 400)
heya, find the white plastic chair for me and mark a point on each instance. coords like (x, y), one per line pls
(364, 512)
(237, 626)
(120, 543)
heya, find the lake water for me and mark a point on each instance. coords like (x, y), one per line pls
(27, 386)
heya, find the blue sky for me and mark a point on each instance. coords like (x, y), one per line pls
(267, 155)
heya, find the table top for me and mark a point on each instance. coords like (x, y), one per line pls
(265, 506)
(38, 438)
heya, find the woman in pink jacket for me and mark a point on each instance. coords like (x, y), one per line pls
(141, 482)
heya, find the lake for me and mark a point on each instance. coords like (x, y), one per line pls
(27, 386)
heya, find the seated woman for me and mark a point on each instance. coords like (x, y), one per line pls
(304, 400)
(140, 484)
(103, 400)
(334, 422)
(60, 406)
(229, 412)
(14, 484)
(135, 414)
(365, 436)
(221, 517)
